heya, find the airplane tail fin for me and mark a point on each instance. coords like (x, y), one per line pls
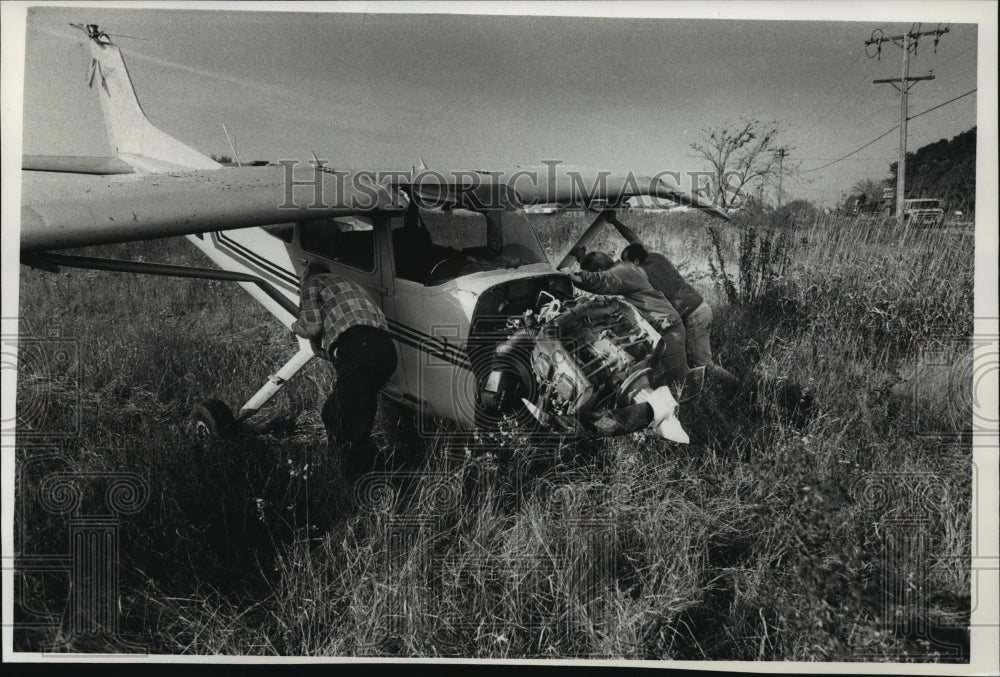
(134, 138)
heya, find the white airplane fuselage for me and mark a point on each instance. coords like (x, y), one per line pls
(430, 325)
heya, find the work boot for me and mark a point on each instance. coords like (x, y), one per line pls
(724, 379)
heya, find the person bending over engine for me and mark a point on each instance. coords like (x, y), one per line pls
(599, 274)
(692, 308)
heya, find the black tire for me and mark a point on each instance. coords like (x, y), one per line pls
(212, 419)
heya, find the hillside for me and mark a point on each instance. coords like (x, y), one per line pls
(944, 169)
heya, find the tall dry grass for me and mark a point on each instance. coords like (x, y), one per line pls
(822, 515)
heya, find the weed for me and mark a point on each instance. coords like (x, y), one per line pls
(775, 535)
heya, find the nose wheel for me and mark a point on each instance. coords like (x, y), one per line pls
(212, 419)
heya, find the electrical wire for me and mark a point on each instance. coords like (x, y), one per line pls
(830, 109)
(819, 101)
(857, 159)
(962, 53)
(941, 104)
(887, 132)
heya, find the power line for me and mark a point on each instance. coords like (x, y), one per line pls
(857, 159)
(878, 38)
(877, 114)
(908, 42)
(833, 107)
(884, 134)
(962, 53)
(942, 104)
(887, 132)
(819, 101)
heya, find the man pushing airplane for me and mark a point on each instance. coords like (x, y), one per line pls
(353, 331)
(662, 276)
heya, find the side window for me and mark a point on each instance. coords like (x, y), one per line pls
(412, 249)
(349, 240)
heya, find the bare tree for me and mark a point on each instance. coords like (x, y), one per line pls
(872, 189)
(865, 195)
(742, 153)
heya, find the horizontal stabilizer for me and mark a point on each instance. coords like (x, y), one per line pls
(76, 164)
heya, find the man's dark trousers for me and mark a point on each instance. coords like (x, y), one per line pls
(364, 359)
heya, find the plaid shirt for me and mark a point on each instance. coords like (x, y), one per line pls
(331, 305)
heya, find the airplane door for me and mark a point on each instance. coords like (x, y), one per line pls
(349, 246)
(397, 304)
(356, 248)
(430, 327)
(385, 288)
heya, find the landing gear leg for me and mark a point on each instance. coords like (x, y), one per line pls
(212, 418)
(278, 380)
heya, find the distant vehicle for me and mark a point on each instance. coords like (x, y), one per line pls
(923, 212)
(544, 209)
(874, 210)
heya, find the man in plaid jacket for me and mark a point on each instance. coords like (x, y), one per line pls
(353, 331)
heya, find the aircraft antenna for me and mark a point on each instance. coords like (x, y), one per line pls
(231, 145)
(130, 37)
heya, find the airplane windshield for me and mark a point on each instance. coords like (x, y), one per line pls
(434, 246)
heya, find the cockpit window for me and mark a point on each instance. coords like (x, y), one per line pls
(348, 240)
(433, 246)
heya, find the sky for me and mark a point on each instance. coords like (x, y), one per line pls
(367, 90)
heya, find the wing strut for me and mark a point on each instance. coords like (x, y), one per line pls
(605, 217)
(52, 262)
(300, 359)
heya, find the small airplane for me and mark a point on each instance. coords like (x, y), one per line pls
(485, 327)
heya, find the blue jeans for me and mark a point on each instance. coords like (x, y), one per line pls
(697, 327)
(673, 364)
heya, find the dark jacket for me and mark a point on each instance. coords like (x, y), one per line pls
(665, 278)
(627, 280)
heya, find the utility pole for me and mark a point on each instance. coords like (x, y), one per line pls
(908, 41)
(781, 153)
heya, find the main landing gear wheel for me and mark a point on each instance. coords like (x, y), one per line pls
(212, 419)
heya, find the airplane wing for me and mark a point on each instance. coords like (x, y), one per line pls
(579, 187)
(63, 210)
(156, 186)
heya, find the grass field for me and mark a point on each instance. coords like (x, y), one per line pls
(841, 532)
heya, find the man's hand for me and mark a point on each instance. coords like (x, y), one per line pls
(314, 341)
(573, 271)
(298, 330)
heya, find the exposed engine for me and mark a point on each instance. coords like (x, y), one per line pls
(582, 365)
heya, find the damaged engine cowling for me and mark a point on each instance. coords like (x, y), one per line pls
(583, 365)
